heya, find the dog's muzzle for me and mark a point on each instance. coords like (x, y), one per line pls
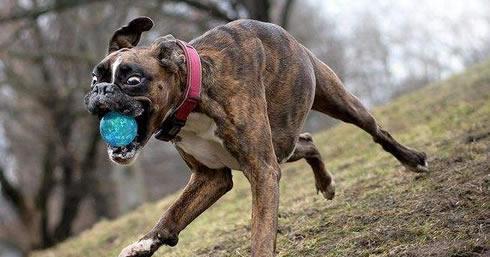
(105, 97)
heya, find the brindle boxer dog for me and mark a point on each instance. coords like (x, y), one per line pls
(258, 85)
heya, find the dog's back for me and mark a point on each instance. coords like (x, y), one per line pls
(265, 57)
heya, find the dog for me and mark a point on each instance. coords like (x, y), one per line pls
(255, 86)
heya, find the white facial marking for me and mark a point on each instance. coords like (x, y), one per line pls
(114, 68)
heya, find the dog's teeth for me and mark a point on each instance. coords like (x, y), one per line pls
(140, 112)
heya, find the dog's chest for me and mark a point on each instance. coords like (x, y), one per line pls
(198, 139)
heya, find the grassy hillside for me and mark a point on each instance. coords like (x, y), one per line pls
(379, 209)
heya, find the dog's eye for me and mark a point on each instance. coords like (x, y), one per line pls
(134, 80)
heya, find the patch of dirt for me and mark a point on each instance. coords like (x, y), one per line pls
(477, 137)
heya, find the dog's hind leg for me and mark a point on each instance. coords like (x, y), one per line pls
(332, 99)
(323, 179)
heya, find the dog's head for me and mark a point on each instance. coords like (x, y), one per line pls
(144, 82)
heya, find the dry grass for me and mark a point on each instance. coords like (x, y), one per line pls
(379, 210)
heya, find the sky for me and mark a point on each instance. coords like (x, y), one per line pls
(431, 22)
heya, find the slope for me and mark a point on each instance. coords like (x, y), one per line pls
(379, 209)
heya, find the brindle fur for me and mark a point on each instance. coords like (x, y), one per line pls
(258, 86)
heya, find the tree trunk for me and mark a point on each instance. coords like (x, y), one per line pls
(286, 13)
(131, 187)
(45, 189)
(258, 9)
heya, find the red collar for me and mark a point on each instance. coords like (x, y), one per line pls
(176, 120)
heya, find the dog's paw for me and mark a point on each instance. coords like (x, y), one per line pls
(142, 248)
(414, 161)
(420, 168)
(418, 164)
(327, 190)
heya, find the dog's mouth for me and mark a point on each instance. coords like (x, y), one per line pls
(125, 154)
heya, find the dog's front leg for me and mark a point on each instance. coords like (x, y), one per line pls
(264, 181)
(205, 187)
(247, 135)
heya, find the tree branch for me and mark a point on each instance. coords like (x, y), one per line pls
(88, 162)
(211, 8)
(45, 190)
(75, 191)
(13, 194)
(257, 9)
(37, 56)
(56, 6)
(285, 13)
(13, 37)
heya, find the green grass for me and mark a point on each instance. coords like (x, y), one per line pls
(379, 209)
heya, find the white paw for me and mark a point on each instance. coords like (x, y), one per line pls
(419, 169)
(144, 247)
(329, 191)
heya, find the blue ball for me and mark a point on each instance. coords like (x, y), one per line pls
(118, 129)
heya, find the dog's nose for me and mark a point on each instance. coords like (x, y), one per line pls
(101, 98)
(104, 88)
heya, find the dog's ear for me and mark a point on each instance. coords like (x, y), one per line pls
(169, 54)
(129, 35)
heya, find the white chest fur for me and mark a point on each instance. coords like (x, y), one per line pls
(199, 140)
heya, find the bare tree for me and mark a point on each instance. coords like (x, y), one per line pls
(50, 85)
(370, 74)
(254, 9)
(42, 66)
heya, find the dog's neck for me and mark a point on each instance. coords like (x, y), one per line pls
(207, 80)
(190, 84)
